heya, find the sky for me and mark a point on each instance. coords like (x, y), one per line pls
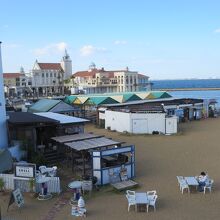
(163, 39)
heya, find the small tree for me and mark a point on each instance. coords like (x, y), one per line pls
(32, 184)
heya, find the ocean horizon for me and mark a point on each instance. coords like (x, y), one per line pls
(199, 84)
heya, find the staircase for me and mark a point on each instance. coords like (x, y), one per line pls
(52, 157)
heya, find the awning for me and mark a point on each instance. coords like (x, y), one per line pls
(29, 118)
(75, 137)
(92, 143)
(63, 119)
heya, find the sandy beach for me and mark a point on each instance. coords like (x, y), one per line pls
(159, 159)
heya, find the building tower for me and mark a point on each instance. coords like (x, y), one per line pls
(66, 64)
(3, 130)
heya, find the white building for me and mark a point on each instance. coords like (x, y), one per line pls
(139, 122)
(48, 78)
(17, 84)
(101, 81)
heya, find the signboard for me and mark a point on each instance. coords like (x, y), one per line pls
(16, 197)
(25, 170)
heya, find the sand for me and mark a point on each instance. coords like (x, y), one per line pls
(159, 159)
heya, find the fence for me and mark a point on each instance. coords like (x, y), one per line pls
(11, 182)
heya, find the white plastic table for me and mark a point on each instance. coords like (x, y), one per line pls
(141, 199)
(76, 186)
(192, 181)
(42, 180)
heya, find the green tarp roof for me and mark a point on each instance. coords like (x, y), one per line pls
(43, 105)
(70, 99)
(108, 98)
(46, 105)
(159, 94)
(130, 97)
(100, 100)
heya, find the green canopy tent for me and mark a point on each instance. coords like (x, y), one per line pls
(100, 100)
(70, 99)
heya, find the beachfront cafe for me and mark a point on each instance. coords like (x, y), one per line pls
(94, 155)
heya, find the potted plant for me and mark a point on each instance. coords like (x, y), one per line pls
(32, 186)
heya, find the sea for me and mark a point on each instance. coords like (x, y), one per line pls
(202, 87)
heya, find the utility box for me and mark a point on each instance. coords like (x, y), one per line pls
(171, 125)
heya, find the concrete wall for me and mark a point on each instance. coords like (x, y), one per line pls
(154, 122)
(119, 121)
(139, 123)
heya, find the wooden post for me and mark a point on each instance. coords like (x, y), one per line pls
(72, 159)
(84, 165)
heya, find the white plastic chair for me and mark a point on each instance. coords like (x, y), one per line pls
(131, 201)
(208, 186)
(151, 194)
(43, 169)
(87, 186)
(183, 186)
(130, 192)
(152, 203)
(52, 172)
(180, 179)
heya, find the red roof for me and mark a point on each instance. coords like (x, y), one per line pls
(86, 73)
(109, 74)
(12, 75)
(50, 66)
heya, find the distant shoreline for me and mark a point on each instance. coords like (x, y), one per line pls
(187, 89)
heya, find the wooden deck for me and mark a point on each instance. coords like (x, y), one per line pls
(124, 184)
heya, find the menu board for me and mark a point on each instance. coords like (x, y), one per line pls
(19, 200)
(16, 197)
(25, 170)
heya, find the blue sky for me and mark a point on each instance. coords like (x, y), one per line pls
(164, 39)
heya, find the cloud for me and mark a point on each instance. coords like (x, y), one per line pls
(50, 49)
(120, 42)
(217, 30)
(88, 50)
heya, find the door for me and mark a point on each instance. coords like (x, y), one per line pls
(171, 125)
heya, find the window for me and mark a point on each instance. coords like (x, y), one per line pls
(51, 75)
(42, 74)
(46, 74)
(116, 159)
